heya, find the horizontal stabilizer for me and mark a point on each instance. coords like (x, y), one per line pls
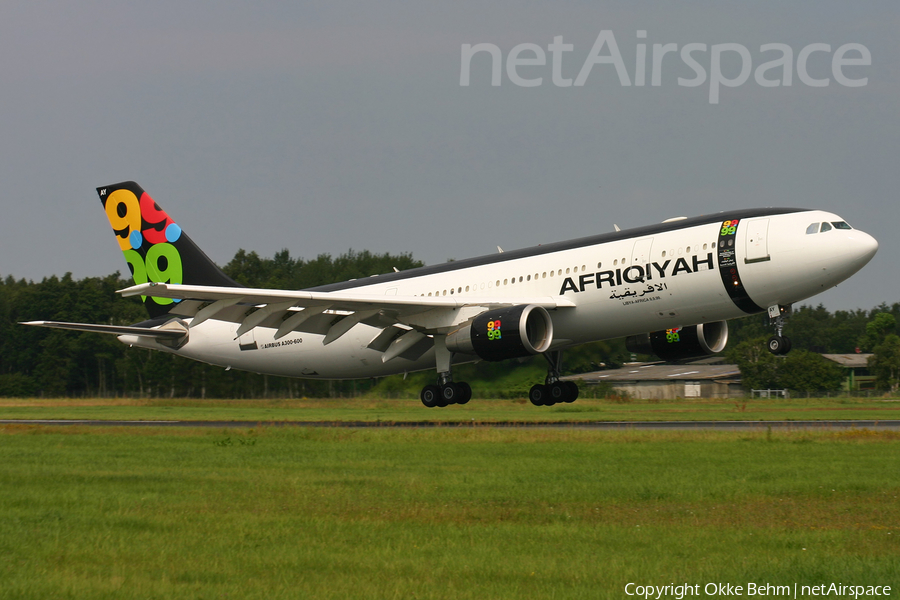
(169, 334)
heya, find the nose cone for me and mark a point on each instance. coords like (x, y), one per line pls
(850, 254)
(863, 248)
(844, 254)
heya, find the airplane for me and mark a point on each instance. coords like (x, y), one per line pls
(668, 288)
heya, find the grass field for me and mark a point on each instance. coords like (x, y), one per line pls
(478, 410)
(450, 513)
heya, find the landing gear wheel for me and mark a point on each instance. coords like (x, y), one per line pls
(450, 393)
(430, 395)
(539, 395)
(779, 345)
(465, 392)
(559, 391)
(572, 391)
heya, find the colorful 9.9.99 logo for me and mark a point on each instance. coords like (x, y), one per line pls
(493, 329)
(729, 227)
(146, 235)
(673, 335)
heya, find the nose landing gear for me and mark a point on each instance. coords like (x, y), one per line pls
(779, 344)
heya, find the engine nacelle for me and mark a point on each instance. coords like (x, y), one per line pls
(502, 333)
(680, 343)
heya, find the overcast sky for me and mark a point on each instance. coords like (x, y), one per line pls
(320, 128)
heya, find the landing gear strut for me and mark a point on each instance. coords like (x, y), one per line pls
(553, 390)
(446, 392)
(779, 344)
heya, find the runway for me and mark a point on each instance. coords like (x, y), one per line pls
(892, 424)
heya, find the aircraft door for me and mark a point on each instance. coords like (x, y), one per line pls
(640, 254)
(757, 232)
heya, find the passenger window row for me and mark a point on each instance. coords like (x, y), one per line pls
(509, 281)
(553, 273)
(687, 250)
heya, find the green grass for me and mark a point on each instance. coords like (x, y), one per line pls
(478, 410)
(451, 513)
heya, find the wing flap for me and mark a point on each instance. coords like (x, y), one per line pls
(402, 344)
(383, 340)
(293, 321)
(418, 350)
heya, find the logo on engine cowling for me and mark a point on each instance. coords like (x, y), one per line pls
(493, 329)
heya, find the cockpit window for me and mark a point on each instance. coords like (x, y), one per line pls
(841, 225)
(825, 227)
(813, 228)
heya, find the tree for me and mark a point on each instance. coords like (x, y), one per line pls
(284, 272)
(885, 363)
(759, 367)
(800, 371)
(881, 325)
(809, 329)
(805, 371)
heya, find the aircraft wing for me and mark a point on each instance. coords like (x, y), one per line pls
(329, 313)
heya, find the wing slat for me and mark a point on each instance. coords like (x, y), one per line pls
(213, 309)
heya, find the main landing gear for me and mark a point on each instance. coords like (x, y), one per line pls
(779, 344)
(446, 392)
(553, 391)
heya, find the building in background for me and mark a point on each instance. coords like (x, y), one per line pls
(698, 379)
(856, 371)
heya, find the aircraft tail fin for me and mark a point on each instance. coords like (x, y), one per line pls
(155, 247)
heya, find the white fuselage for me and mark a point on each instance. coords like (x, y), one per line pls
(669, 277)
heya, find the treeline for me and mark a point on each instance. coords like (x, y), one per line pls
(45, 362)
(818, 330)
(286, 273)
(50, 362)
(814, 331)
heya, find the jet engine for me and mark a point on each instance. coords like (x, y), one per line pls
(682, 342)
(502, 333)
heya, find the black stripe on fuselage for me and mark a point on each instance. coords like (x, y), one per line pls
(728, 267)
(583, 242)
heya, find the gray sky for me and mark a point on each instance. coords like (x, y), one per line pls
(321, 128)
